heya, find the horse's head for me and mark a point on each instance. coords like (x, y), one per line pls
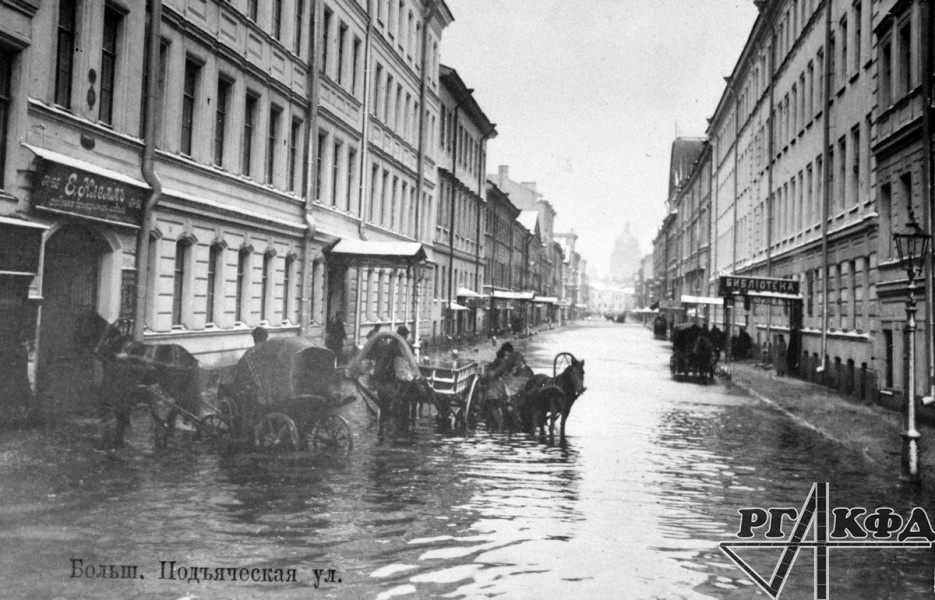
(573, 376)
(113, 339)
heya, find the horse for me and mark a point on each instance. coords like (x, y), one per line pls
(546, 398)
(703, 358)
(132, 369)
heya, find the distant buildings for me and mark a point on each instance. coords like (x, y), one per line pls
(815, 154)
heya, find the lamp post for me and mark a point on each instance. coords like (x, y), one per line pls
(911, 244)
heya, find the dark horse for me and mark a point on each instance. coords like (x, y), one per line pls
(164, 376)
(547, 398)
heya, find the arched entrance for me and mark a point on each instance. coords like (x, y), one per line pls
(70, 287)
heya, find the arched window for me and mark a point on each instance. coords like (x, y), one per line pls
(243, 283)
(214, 270)
(179, 280)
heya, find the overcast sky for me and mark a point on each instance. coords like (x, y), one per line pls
(587, 95)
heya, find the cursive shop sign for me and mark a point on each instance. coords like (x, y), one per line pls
(74, 191)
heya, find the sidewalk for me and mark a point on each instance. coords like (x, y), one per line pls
(866, 428)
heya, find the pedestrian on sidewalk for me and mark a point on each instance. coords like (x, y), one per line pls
(780, 361)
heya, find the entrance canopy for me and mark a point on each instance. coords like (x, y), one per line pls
(507, 295)
(545, 299)
(686, 299)
(464, 292)
(377, 254)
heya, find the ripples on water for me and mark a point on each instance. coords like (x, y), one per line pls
(634, 507)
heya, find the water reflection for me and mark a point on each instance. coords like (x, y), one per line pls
(633, 506)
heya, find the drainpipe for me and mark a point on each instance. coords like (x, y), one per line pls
(310, 175)
(770, 200)
(148, 171)
(420, 169)
(928, 173)
(481, 189)
(826, 186)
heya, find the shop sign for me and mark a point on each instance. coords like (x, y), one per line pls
(66, 189)
(743, 285)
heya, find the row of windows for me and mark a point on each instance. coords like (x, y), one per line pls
(850, 292)
(895, 71)
(278, 12)
(403, 31)
(392, 203)
(453, 135)
(395, 106)
(272, 301)
(337, 172)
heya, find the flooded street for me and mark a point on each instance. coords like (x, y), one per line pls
(633, 507)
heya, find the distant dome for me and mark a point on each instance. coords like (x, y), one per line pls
(625, 259)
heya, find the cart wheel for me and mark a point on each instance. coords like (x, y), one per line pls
(470, 408)
(332, 434)
(216, 429)
(562, 361)
(276, 432)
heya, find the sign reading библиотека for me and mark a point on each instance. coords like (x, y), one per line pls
(743, 285)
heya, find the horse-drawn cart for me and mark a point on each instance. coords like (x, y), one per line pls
(284, 396)
(455, 384)
(693, 353)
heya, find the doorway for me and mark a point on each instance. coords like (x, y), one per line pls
(70, 288)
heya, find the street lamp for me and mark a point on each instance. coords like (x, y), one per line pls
(911, 244)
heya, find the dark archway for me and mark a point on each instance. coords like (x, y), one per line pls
(70, 287)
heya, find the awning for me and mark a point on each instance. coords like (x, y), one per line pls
(774, 296)
(545, 299)
(464, 292)
(581, 306)
(456, 306)
(512, 295)
(686, 299)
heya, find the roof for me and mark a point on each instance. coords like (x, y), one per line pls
(529, 219)
(685, 152)
(463, 95)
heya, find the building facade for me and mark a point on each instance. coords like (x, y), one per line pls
(460, 219)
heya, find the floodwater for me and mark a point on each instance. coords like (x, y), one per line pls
(633, 506)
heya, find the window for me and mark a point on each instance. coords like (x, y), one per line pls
(811, 90)
(277, 19)
(351, 172)
(264, 284)
(843, 50)
(248, 126)
(243, 281)
(287, 287)
(6, 68)
(842, 169)
(355, 64)
(294, 151)
(214, 262)
(222, 104)
(335, 171)
(855, 163)
(325, 31)
(108, 65)
(272, 141)
(820, 89)
(297, 33)
(252, 9)
(886, 73)
(905, 191)
(832, 59)
(322, 138)
(178, 280)
(342, 36)
(374, 173)
(190, 88)
(377, 79)
(858, 34)
(886, 216)
(384, 190)
(387, 97)
(905, 58)
(65, 53)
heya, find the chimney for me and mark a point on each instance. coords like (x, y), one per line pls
(503, 174)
